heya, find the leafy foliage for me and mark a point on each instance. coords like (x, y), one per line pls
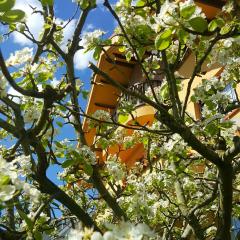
(9, 15)
(124, 173)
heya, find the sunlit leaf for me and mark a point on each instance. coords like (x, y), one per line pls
(38, 235)
(225, 29)
(68, 163)
(12, 16)
(122, 118)
(163, 40)
(188, 11)
(87, 168)
(28, 221)
(47, 2)
(199, 24)
(6, 5)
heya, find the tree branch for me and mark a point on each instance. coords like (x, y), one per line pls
(164, 117)
(30, 93)
(75, 39)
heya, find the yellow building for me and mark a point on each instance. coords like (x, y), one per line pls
(104, 96)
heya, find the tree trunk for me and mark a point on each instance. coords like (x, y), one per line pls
(10, 216)
(226, 198)
(111, 201)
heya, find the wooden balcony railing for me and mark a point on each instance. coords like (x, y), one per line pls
(141, 88)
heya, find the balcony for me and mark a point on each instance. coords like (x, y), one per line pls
(139, 87)
(142, 88)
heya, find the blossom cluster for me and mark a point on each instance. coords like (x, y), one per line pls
(20, 57)
(11, 174)
(122, 231)
(31, 114)
(115, 168)
(3, 86)
(91, 39)
(102, 115)
(88, 155)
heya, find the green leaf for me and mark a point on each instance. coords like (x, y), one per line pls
(59, 145)
(38, 235)
(59, 154)
(87, 168)
(128, 56)
(68, 163)
(166, 34)
(47, 26)
(225, 29)
(140, 3)
(188, 11)
(183, 35)
(47, 2)
(12, 27)
(211, 129)
(169, 172)
(60, 124)
(84, 4)
(28, 221)
(127, 3)
(164, 92)
(145, 141)
(220, 22)
(6, 5)
(141, 52)
(122, 118)
(199, 24)
(85, 94)
(212, 26)
(4, 179)
(77, 157)
(163, 40)
(97, 53)
(12, 16)
(216, 23)
(162, 43)
(193, 99)
(122, 49)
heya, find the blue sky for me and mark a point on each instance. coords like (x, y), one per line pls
(98, 18)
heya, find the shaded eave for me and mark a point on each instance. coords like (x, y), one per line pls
(104, 96)
(210, 7)
(212, 3)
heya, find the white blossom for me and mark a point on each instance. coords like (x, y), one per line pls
(20, 57)
(122, 231)
(166, 15)
(31, 114)
(87, 154)
(91, 38)
(25, 165)
(11, 174)
(227, 43)
(3, 86)
(102, 115)
(115, 168)
(198, 11)
(6, 192)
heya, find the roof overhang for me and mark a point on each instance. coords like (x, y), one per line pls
(103, 96)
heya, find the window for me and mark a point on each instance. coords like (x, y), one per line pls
(230, 91)
(235, 235)
(233, 99)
